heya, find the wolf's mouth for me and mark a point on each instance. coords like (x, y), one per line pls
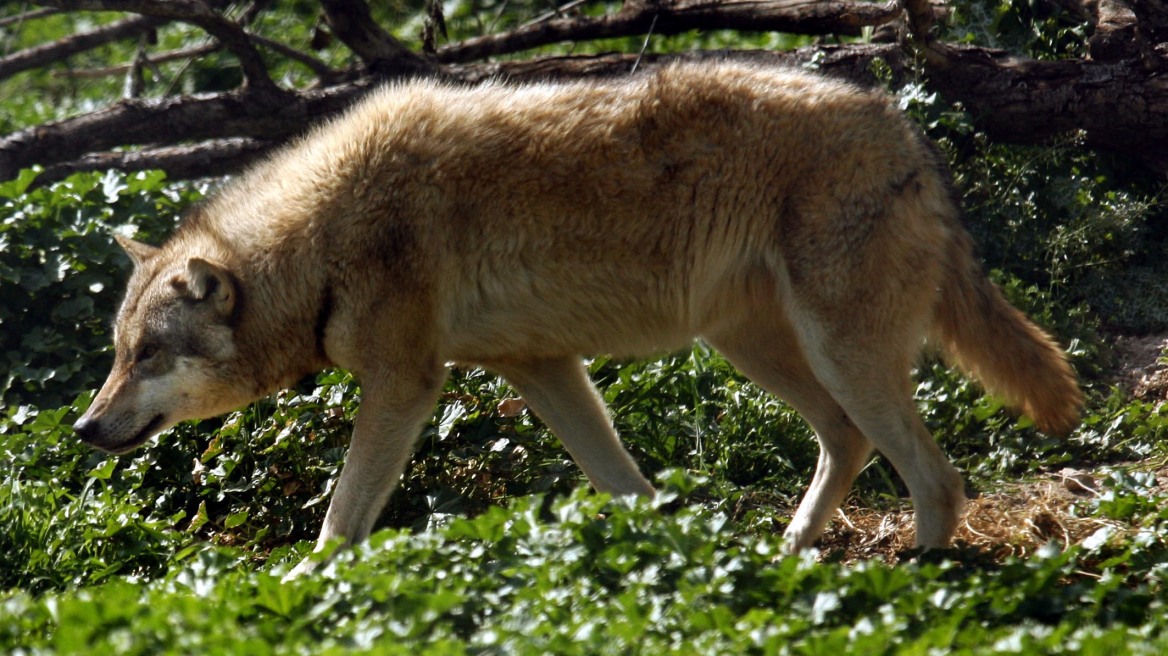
(140, 437)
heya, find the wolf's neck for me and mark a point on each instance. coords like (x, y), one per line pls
(282, 296)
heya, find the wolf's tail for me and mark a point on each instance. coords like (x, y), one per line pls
(1016, 360)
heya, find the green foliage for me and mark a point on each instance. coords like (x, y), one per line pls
(60, 275)
(1039, 29)
(585, 575)
(681, 411)
(1084, 231)
(63, 88)
(42, 94)
(72, 517)
(1054, 218)
(490, 544)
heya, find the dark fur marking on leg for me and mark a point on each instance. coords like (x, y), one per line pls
(911, 180)
(941, 169)
(322, 320)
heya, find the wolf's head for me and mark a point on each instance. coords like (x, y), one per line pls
(174, 350)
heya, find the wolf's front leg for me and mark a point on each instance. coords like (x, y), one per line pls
(388, 424)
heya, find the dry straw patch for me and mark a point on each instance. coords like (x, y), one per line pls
(1014, 520)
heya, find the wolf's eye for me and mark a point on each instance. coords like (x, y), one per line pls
(147, 352)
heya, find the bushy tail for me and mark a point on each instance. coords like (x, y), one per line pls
(1013, 358)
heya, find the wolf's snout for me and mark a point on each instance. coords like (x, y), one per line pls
(87, 429)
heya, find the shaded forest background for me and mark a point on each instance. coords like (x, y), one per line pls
(1024, 72)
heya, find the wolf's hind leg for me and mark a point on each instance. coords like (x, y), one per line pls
(768, 353)
(559, 392)
(874, 387)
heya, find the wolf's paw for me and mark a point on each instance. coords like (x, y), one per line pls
(306, 567)
(799, 537)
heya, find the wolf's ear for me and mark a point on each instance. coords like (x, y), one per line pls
(208, 281)
(137, 251)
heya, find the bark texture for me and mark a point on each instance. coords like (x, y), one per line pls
(1115, 95)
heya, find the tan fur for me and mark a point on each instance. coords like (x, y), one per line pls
(973, 321)
(801, 226)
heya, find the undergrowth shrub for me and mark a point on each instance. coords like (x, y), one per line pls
(61, 275)
(583, 574)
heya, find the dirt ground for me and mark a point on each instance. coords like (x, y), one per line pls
(1012, 521)
(1141, 367)
(1018, 518)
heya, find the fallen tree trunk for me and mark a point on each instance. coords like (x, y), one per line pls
(1115, 97)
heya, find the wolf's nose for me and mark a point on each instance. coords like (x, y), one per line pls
(86, 428)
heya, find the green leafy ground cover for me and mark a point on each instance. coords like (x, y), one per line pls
(492, 545)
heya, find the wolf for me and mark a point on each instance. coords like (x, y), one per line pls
(802, 227)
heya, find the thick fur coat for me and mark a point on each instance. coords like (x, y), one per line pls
(800, 226)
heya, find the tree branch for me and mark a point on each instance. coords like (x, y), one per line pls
(920, 20)
(69, 142)
(1117, 105)
(676, 16)
(26, 16)
(189, 53)
(42, 55)
(849, 62)
(200, 14)
(324, 73)
(171, 120)
(1152, 16)
(217, 157)
(1115, 98)
(353, 23)
(1117, 33)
